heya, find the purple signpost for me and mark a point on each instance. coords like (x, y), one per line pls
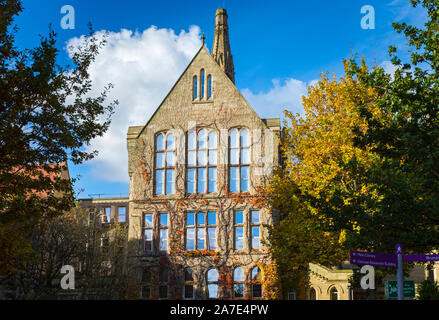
(374, 259)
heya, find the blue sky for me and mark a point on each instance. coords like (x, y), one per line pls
(279, 47)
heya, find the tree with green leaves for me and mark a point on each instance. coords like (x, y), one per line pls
(47, 116)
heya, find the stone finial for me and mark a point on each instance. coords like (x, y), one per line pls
(221, 47)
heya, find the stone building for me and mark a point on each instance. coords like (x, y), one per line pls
(194, 169)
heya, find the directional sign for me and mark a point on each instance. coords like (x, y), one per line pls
(391, 289)
(420, 257)
(374, 259)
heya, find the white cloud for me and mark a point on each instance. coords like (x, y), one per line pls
(285, 95)
(142, 67)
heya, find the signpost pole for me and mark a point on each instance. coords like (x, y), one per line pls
(399, 273)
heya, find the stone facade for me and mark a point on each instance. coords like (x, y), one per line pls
(217, 106)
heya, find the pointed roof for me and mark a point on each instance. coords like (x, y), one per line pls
(221, 51)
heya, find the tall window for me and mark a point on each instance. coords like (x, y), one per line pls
(239, 230)
(256, 280)
(312, 294)
(148, 232)
(188, 284)
(202, 84)
(195, 87)
(202, 161)
(164, 163)
(212, 283)
(239, 160)
(200, 231)
(209, 87)
(107, 217)
(238, 283)
(146, 283)
(163, 232)
(333, 294)
(255, 229)
(163, 282)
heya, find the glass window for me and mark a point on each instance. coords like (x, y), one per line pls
(165, 164)
(122, 214)
(202, 162)
(148, 232)
(212, 283)
(255, 229)
(202, 83)
(209, 86)
(199, 235)
(256, 279)
(334, 294)
(238, 283)
(107, 217)
(239, 160)
(163, 232)
(195, 87)
(188, 284)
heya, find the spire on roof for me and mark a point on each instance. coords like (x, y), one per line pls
(221, 47)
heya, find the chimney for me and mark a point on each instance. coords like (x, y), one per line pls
(221, 47)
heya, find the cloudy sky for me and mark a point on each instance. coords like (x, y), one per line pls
(279, 48)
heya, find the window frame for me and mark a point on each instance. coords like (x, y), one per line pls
(240, 282)
(163, 227)
(215, 283)
(235, 227)
(198, 166)
(188, 283)
(254, 282)
(239, 164)
(255, 225)
(196, 227)
(166, 167)
(144, 227)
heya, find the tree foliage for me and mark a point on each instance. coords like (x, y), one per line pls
(47, 116)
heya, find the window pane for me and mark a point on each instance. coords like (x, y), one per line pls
(188, 275)
(202, 180)
(192, 158)
(163, 239)
(200, 218)
(202, 139)
(160, 160)
(239, 217)
(211, 218)
(190, 239)
(238, 274)
(244, 179)
(234, 156)
(202, 158)
(212, 140)
(209, 86)
(234, 179)
(191, 142)
(201, 237)
(234, 138)
(255, 216)
(164, 219)
(122, 214)
(212, 238)
(212, 275)
(159, 183)
(170, 181)
(213, 155)
(238, 290)
(239, 238)
(255, 237)
(257, 291)
(170, 159)
(212, 179)
(245, 139)
(213, 291)
(148, 239)
(195, 87)
(108, 214)
(256, 274)
(170, 142)
(202, 83)
(245, 155)
(188, 291)
(160, 142)
(190, 219)
(191, 181)
(148, 220)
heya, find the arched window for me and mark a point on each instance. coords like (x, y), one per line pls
(212, 283)
(188, 284)
(202, 161)
(209, 87)
(165, 163)
(312, 294)
(195, 87)
(238, 283)
(333, 294)
(256, 281)
(239, 160)
(202, 78)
